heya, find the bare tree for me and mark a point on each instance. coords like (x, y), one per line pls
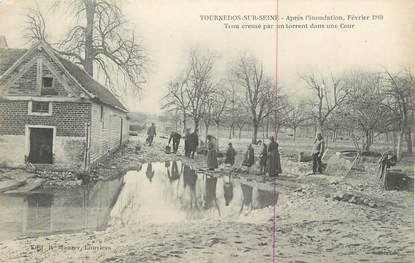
(249, 74)
(399, 90)
(35, 29)
(295, 116)
(200, 84)
(100, 39)
(176, 98)
(365, 104)
(329, 95)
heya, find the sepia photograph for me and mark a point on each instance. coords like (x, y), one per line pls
(207, 131)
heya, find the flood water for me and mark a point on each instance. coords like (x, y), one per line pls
(158, 193)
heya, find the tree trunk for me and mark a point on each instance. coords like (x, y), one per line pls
(267, 135)
(240, 132)
(408, 139)
(217, 137)
(89, 35)
(399, 150)
(206, 132)
(368, 140)
(394, 141)
(230, 132)
(184, 123)
(255, 136)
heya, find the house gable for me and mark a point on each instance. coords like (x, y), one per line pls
(71, 80)
(37, 74)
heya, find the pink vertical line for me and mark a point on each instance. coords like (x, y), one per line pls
(274, 241)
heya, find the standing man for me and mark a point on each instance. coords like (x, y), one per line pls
(151, 132)
(317, 153)
(175, 136)
(194, 142)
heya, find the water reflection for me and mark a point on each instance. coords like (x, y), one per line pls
(158, 193)
(177, 193)
(63, 210)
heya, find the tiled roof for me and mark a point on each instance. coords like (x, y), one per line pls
(9, 56)
(91, 85)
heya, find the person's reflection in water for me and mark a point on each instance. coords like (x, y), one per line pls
(150, 172)
(228, 191)
(210, 195)
(189, 179)
(264, 199)
(167, 165)
(247, 198)
(174, 172)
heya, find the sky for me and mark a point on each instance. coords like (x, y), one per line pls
(168, 29)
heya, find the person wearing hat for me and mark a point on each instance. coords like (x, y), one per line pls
(230, 155)
(317, 153)
(151, 132)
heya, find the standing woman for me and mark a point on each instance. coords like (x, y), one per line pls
(212, 158)
(273, 162)
(263, 158)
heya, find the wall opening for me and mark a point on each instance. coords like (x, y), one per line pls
(41, 145)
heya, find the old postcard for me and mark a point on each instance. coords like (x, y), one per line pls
(207, 131)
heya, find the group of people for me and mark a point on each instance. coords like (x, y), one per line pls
(191, 142)
(269, 159)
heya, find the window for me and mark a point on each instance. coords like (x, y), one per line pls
(40, 108)
(47, 87)
(47, 82)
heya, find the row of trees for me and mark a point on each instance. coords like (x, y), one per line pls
(360, 105)
(247, 96)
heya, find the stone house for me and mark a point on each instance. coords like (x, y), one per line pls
(53, 114)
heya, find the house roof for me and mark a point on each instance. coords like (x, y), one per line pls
(9, 56)
(91, 85)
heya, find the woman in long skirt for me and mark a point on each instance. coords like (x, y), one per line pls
(212, 158)
(273, 162)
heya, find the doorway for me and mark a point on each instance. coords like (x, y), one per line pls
(41, 145)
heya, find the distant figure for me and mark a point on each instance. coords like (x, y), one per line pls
(249, 156)
(212, 158)
(151, 132)
(273, 162)
(263, 158)
(150, 172)
(175, 137)
(317, 153)
(187, 143)
(194, 142)
(230, 155)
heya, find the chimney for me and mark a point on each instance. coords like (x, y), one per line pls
(3, 42)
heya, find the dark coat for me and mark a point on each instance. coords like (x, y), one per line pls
(212, 158)
(249, 157)
(273, 162)
(230, 156)
(193, 141)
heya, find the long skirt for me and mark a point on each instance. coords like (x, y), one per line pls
(212, 159)
(274, 163)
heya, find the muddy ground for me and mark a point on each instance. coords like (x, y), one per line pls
(311, 226)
